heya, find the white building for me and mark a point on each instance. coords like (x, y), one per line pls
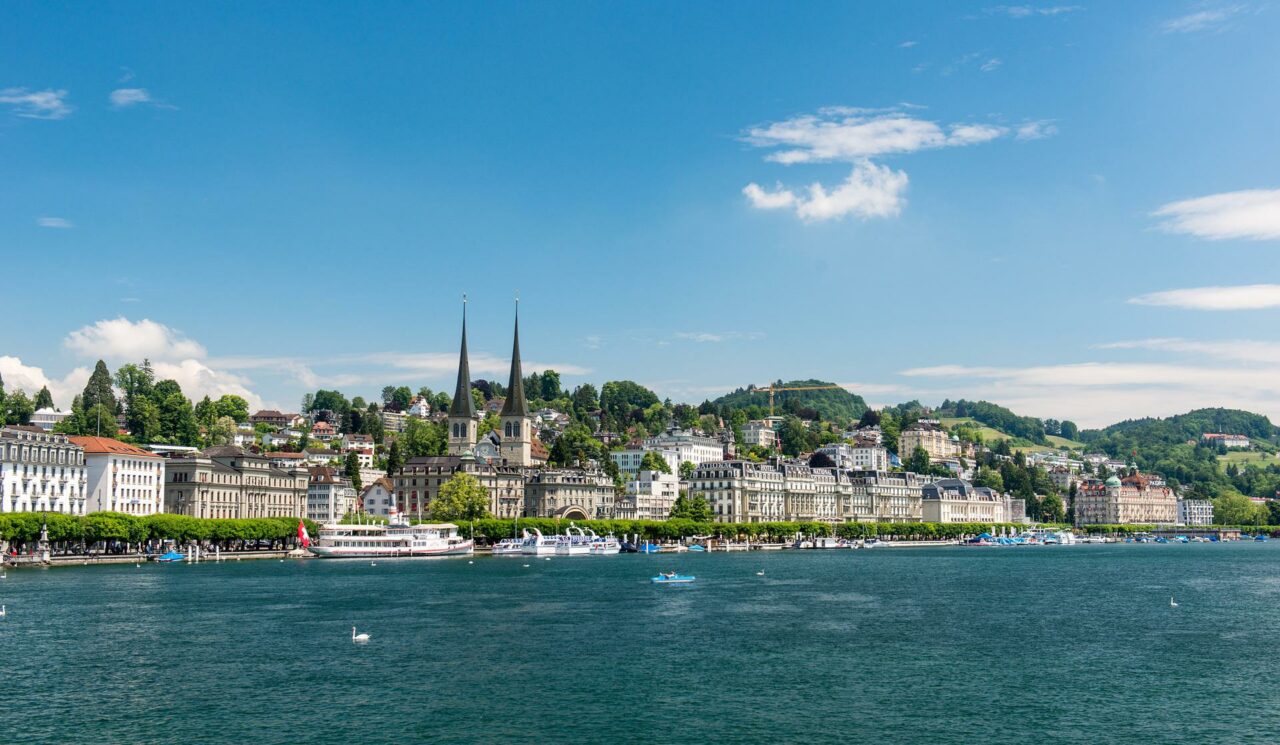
(329, 495)
(649, 497)
(419, 407)
(695, 449)
(629, 460)
(1195, 512)
(121, 477)
(857, 457)
(40, 471)
(1230, 442)
(958, 501)
(47, 419)
(759, 434)
(741, 491)
(379, 498)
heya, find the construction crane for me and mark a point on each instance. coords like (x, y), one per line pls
(774, 389)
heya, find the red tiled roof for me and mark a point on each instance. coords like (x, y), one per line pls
(104, 445)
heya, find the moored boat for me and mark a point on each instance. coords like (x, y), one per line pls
(395, 540)
(604, 545)
(671, 578)
(511, 546)
(537, 544)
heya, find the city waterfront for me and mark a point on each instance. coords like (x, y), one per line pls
(1068, 644)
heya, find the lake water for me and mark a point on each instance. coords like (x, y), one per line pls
(1064, 644)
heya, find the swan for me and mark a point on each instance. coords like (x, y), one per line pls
(526, 566)
(3, 612)
(373, 563)
(760, 573)
(470, 562)
(358, 638)
(1171, 603)
(548, 558)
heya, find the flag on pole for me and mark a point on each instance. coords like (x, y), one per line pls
(302, 534)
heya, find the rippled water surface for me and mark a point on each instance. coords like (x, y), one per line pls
(1062, 644)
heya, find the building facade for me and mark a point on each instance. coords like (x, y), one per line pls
(688, 446)
(884, 496)
(418, 482)
(47, 419)
(229, 482)
(741, 491)
(1132, 500)
(379, 498)
(650, 496)
(569, 493)
(1195, 512)
(121, 477)
(858, 457)
(958, 501)
(932, 438)
(629, 460)
(330, 495)
(41, 471)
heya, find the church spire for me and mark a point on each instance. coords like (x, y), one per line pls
(462, 404)
(515, 405)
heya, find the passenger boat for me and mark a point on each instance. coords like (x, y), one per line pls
(574, 542)
(395, 540)
(511, 546)
(604, 545)
(671, 578)
(537, 544)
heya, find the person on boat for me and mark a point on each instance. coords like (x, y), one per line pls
(668, 575)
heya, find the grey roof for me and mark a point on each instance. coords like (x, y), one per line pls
(515, 405)
(462, 405)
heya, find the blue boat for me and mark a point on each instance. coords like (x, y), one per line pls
(1260, 537)
(171, 557)
(648, 548)
(672, 579)
(697, 547)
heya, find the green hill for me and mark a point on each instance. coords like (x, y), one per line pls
(831, 404)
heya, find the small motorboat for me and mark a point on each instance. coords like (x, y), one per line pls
(671, 578)
(697, 547)
(171, 556)
(648, 548)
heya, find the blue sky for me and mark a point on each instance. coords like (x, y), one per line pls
(1072, 210)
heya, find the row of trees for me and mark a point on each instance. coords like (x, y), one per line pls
(65, 531)
(17, 407)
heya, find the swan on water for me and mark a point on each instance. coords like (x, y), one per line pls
(1171, 603)
(358, 638)
(760, 573)
(3, 612)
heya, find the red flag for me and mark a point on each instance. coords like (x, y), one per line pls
(302, 535)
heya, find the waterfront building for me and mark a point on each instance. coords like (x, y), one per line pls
(569, 493)
(1195, 512)
(958, 501)
(121, 477)
(629, 460)
(689, 447)
(230, 482)
(46, 419)
(649, 497)
(418, 483)
(378, 498)
(811, 494)
(41, 471)
(884, 496)
(1131, 500)
(857, 457)
(759, 434)
(330, 495)
(741, 491)
(932, 438)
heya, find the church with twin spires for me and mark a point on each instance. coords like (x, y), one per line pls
(516, 426)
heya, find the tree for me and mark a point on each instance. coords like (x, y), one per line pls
(232, 406)
(44, 399)
(177, 419)
(423, 438)
(222, 432)
(693, 508)
(794, 436)
(1069, 430)
(462, 497)
(135, 380)
(1233, 509)
(918, 461)
(550, 388)
(401, 397)
(686, 470)
(143, 419)
(619, 398)
(100, 420)
(990, 478)
(653, 461)
(18, 408)
(395, 459)
(575, 445)
(585, 399)
(351, 469)
(98, 390)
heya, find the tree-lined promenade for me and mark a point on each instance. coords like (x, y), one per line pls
(74, 533)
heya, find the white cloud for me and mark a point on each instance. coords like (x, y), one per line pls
(907, 44)
(1029, 11)
(1201, 20)
(122, 339)
(991, 65)
(1236, 350)
(46, 104)
(1239, 297)
(854, 136)
(30, 379)
(1253, 214)
(1036, 130)
(704, 337)
(54, 222)
(123, 98)
(870, 191)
